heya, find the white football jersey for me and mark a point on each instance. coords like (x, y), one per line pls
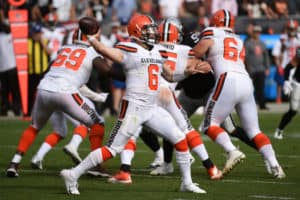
(177, 57)
(143, 72)
(227, 54)
(286, 48)
(70, 70)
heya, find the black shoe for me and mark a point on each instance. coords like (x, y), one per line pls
(12, 170)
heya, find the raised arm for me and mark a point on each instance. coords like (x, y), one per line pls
(113, 54)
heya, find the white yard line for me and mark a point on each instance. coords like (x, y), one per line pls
(271, 197)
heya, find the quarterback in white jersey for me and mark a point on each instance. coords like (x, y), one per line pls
(234, 89)
(177, 58)
(59, 91)
(143, 64)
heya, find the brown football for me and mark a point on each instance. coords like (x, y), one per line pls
(88, 25)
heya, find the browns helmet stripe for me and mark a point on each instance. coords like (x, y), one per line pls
(166, 31)
(226, 18)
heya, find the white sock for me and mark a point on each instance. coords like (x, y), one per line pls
(269, 154)
(76, 141)
(43, 150)
(159, 153)
(17, 158)
(92, 160)
(127, 156)
(201, 152)
(183, 161)
(224, 141)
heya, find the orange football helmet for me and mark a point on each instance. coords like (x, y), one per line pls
(222, 18)
(170, 30)
(143, 28)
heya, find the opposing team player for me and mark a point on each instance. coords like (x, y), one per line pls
(284, 50)
(291, 87)
(143, 65)
(59, 91)
(170, 35)
(234, 89)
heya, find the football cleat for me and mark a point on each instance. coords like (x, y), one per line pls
(278, 134)
(233, 159)
(70, 182)
(268, 167)
(12, 170)
(36, 163)
(278, 172)
(214, 173)
(165, 168)
(99, 170)
(158, 160)
(72, 152)
(121, 177)
(193, 187)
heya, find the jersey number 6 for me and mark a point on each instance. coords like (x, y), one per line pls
(71, 59)
(153, 77)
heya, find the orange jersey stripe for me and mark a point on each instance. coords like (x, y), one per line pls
(127, 48)
(167, 54)
(207, 33)
(219, 87)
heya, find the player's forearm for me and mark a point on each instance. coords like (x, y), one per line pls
(111, 53)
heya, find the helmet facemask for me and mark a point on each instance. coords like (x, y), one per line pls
(149, 34)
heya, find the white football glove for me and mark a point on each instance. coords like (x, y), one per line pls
(101, 97)
(287, 88)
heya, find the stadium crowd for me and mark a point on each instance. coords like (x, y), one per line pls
(52, 23)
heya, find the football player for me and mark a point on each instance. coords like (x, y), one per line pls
(60, 131)
(291, 87)
(170, 31)
(225, 52)
(59, 91)
(143, 63)
(284, 50)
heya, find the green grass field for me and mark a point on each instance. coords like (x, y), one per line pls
(248, 181)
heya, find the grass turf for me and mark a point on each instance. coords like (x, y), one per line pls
(248, 181)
